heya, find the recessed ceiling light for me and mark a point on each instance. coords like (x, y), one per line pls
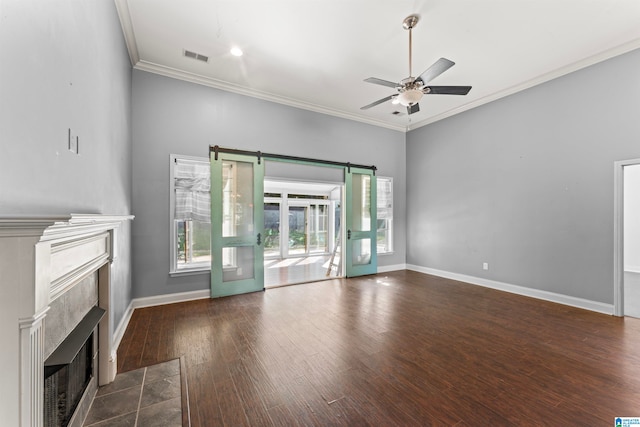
(236, 51)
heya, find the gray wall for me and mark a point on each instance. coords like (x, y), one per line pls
(172, 116)
(64, 64)
(526, 183)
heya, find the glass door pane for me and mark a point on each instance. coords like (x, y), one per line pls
(360, 220)
(237, 219)
(318, 228)
(241, 263)
(237, 199)
(271, 229)
(297, 230)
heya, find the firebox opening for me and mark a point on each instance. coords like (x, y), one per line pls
(69, 370)
(63, 388)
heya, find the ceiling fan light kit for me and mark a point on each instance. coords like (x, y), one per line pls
(411, 89)
(410, 97)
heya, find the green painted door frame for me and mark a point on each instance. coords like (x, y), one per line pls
(237, 224)
(361, 222)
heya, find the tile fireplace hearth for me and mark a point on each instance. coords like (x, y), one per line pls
(152, 396)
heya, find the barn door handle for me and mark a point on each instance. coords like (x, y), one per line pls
(259, 239)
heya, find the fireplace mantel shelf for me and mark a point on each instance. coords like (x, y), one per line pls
(57, 226)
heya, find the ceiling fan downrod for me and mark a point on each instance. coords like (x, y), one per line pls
(408, 24)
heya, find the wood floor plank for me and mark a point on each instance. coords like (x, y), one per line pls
(281, 415)
(231, 405)
(203, 398)
(138, 341)
(151, 348)
(377, 393)
(267, 389)
(253, 401)
(166, 337)
(401, 348)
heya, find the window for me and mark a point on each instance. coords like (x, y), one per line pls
(318, 228)
(385, 215)
(190, 214)
(308, 225)
(271, 226)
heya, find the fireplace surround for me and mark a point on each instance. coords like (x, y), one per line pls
(43, 259)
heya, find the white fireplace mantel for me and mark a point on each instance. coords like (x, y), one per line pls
(40, 259)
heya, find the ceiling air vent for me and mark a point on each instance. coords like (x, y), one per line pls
(197, 56)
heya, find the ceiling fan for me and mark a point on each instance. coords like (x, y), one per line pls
(411, 89)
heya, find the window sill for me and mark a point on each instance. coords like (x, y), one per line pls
(199, 270)
(385, 253)
(189, 272)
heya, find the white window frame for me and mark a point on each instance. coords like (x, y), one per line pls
(174, 269)
(278, 201)
(306, 203)
(389, 221)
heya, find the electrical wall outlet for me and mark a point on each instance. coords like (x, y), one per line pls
(485, 265)
(73, 141)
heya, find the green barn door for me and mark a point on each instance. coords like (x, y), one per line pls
(360, 247)
(237, 222)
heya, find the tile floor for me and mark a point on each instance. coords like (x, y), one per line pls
(146, 397)
(290, 271)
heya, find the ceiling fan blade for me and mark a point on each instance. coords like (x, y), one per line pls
(446, 90)
(438, 67)
(413, 109)
(379, 101)
(381, 82)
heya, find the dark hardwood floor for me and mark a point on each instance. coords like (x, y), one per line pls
(395, 349)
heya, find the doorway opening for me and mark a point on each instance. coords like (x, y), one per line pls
(627, 239)
(301, 227)
(238, 213)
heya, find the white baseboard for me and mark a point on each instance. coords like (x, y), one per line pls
(118, 333)
(388, 268)
(170, 298)
(520, 290)
(632, 268)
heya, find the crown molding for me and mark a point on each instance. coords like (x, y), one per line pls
(122, 7)
(218, 84)
(578, 65)
(124, 14)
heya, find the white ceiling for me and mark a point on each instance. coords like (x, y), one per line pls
(315, 54)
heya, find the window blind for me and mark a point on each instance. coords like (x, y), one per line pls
(385, 198)
(192, 195)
